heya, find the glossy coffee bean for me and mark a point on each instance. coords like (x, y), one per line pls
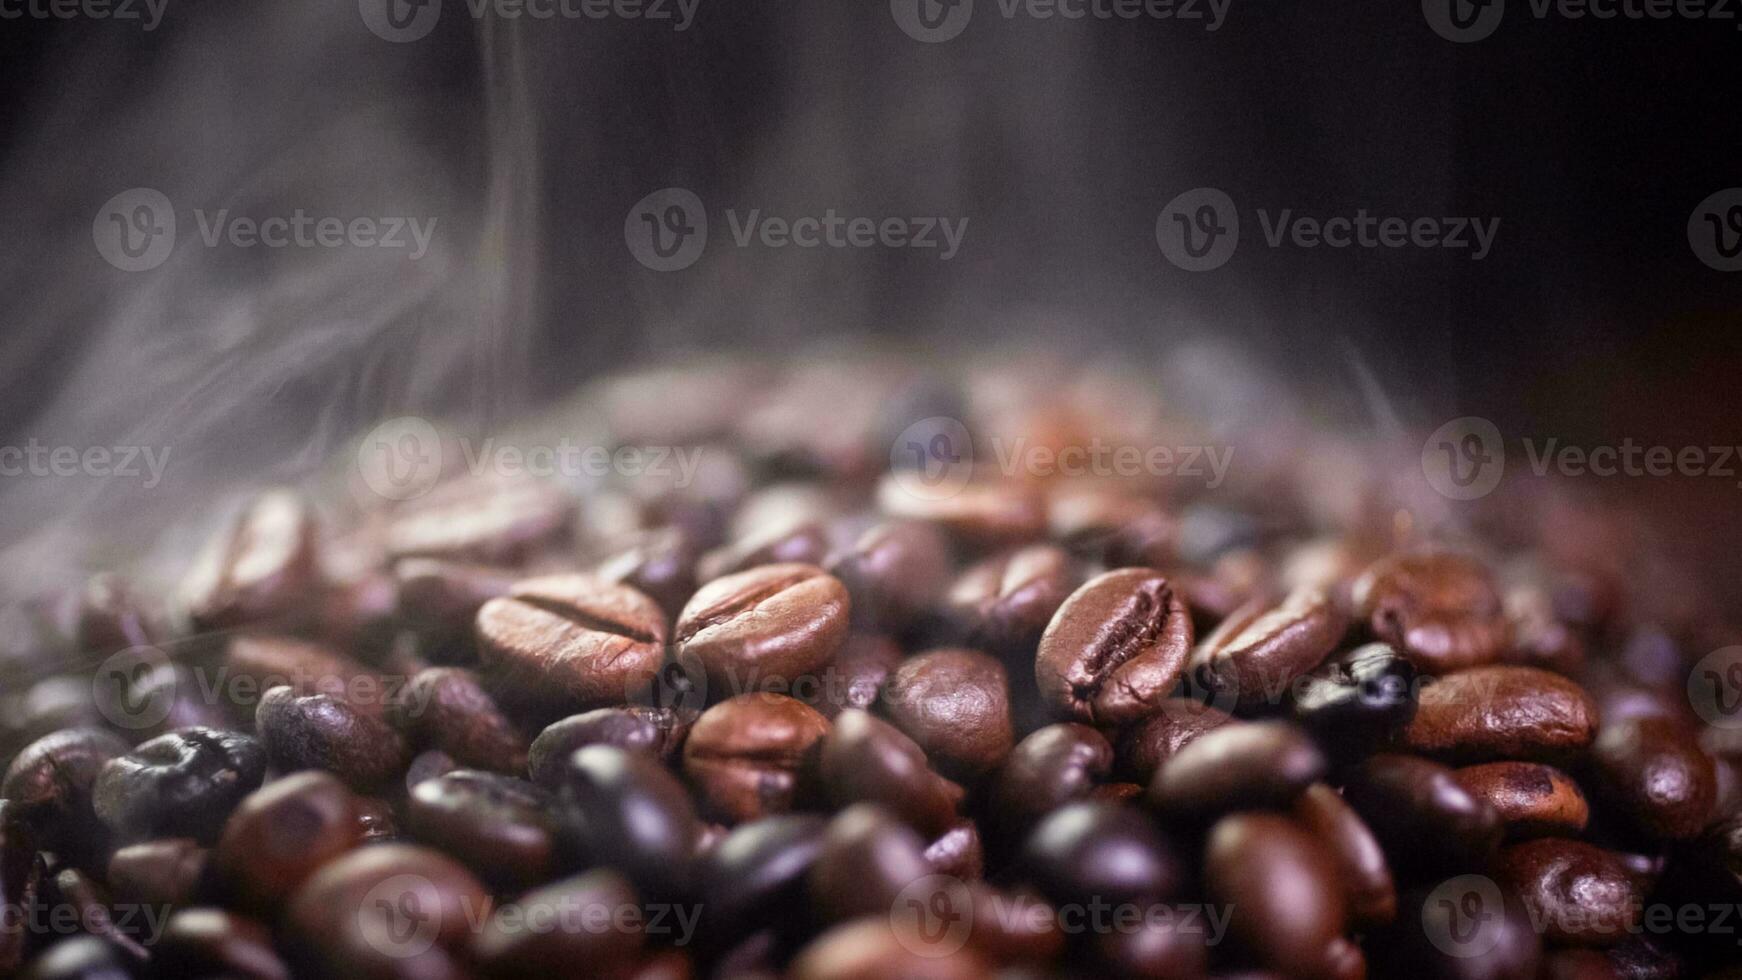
(745, 754)
(211, 942)
(1115, 649)
(1252, 766)
(1046, 770)
(1577, 893)
(50, 782)
(956, 704)
(316, 731)
(781, 621)
(1441, 609)
(1358, 699)
(376, 821)
(658, 732)
(281, 833)
(82, 958)
(184, 783)
(895, 572)
(1634, 958)
(448, 709)
(1085, 851)
(1005, 602)
(392, 910)
(486, 520)
(1164, 947)
(166, 871)
(1259, 651)
(626, 811)
(1361, 864)
(1281, 884)
(502, 827)
(1502, 713)
(1143, 747)
(1407, 800)
(980, 515)
(660, 564)
(757, 875)
(867, 857)
(958, 852)
(870, 949)
(857, 677)
(572, 640)
(777, 542)
(440, 599)
(1458, 929)
(1533, 800)
(261, 568)
(865, 759)
(1654, 772)
(592, 919)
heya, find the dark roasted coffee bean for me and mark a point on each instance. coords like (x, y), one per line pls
(1502, 713)
(958, 853)
(573, 640)
(867, 857)
(1251, 766)
(660, 564)
(440, 599)
(1358, 699)
(1634, 958)
(393, 910)
(857, 677)
(627, 812)
(82, 958)
(51, 781)
(745, 754)
(1361, 863)
(895, 571)
(1654, 772)
(1576, 893)
(316, 731)
(210, 942)
(184, 783)
(1046, 770)
(19, 881)
(1114, 649)
(1441, 609)
(870, 948)
(865, 759)
(1154, 740)
(262, 567)
(1407, 800)
(980, 515)
(376, 821)
(502, 827)
(490, 520)
(256, 664)
(593, 919)
(1005, 602)
(956, 704)
(756, 875)
(1533, 800)
(166, 871)
(1257, 652)
(781, 621)
(658, 732)
(281, 833)
(1086, 852)
(447, 708)
(1463, 928)
(428, 764)
(1281, 884)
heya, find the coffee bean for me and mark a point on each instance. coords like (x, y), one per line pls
(376, 821)
(1576, 893)
(1154, 740)
(256, 664)
(1253, 766)
(865, 759)
(1046, 770)
(1155, 947)
(980, 515)
(802, 542)
(956, 704)
(1358, 699)
(1259, 650)
(1502, 713)
(262, 567)
(1653, 771)
(745, 754)
(857, 677)
(172, 689)
(1086, 852)
(1361, 863)
(1634, 958)
(867, 857)
(1110, 525)
(1539, 638)
(1453, 931)
(19, 880)
(659, 732)
(894, 572)
(281, 833)
(75, 896)
(757, 875)
(627, 812)
(210, 942)
(316, 731)
(1533, 800)
(660, 564)
(81, 958)
(428, 764)
(870, 948)
(447, 708)
(1407, 800)
(1281, 885)
(184, 783)
(111, 617)
(51, 781)
(1440, 608)
(781, 621)
(1114, 649)
(958, 853)
(1005, 602)
(487, 520)
(393, 910)
(1216, 593)
(595, 920)
(440, 599)
(573, 640)
(501, 827)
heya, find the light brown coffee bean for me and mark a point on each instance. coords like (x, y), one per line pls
(1005, 602)
(1533, 800)
(781, 621)
(262, 567)
(1502, 713)
(1263, 647)
(573, 640)
(1440, 608)
(956, 704)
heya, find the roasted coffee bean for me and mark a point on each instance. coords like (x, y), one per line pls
(376, 821)
(802, 542)
(1114, 649)
(782, 621)
(627, 812)
(1149, 743)
(316, 731)
(1358, 699)
(980, 515)
(502, 827)
(895, 571)
(1653, 771)
(1634, 958)
(82, 958)
(1407, 800)
(745, 754)
(281, 833)
(428, 764)
(19, 880)
(210, 942)
(1440, 608)
(865, 759)
(489, 520)
(51, 782)
(447, 708)
(262, 567)
(1458, 930)
(870, 949)
(393, 910)
(573, 639)
(184, 783)
(1257, 652)
(1576, 893)
(1533, 800)
(1046, 770)
(1005, 602)
(1085, 852)
(867, 857)
(1361, 863)
(595, 922)
(259, 663)
(959, 852)
(74, 896)
(1280, 883)
(158, 872)
(857, 677)
(658, 732)
(660, 564)
(956, 704)
(440, 599)
(757, 874)
(1502, 713)
(1252, 766)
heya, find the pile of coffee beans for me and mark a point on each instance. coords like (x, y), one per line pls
(848, 690)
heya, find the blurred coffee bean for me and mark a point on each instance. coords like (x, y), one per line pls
(870, 949)
(281, 833)
(486, 520)
(981, 515)
(1408, 800)
(501, 827)
(262, 568)
(1441, 609)
(1087, 852)
(1358, 699)
(1253, 766)
(592, 919)
(376, 821)
(439, 600)
(50, 783)
(958, 853)
(661, 564)
(865, 759)
(1005, 602)
(756, 875)
(804, 542)
(393, 910)
(447, 708)
(19, 881)
(184, 783)
(658, 732)
(1156, 947)
(1281, 886)
(1214, 594)
(316, 731)
(572, 640)
(1049, 768)
(1463, 928)
(867, 857)
(111, 617)
(176, 692)
(625, 811)
(894, 572)
(1533, 800)
(1109, 524)
(211, 942)
(775, 621)
(1361, 864)
(857, 677)
(745, 754)
(956, 704)
(1179, 721)
(428, 764)
(1114, 649)
(1501, 713)
(73, 896)
(1259, 650)
(1539, 638)
(81, 958)
(1634, 958)
(1653, 771)
(60, 702)
(1576, 893)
